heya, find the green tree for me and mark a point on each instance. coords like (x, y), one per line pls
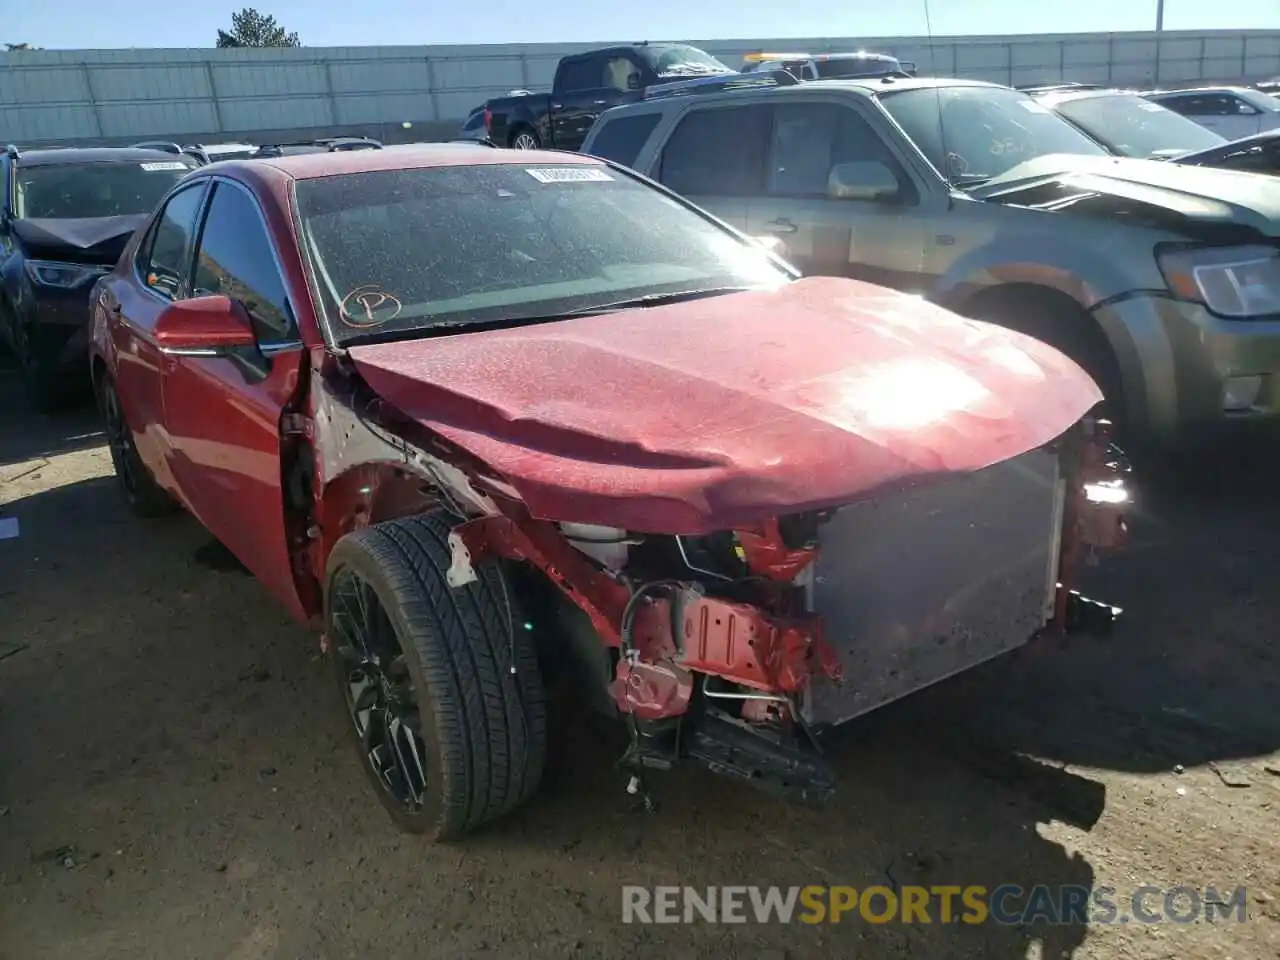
(249, 28)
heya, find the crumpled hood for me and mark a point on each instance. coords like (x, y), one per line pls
(1202, 194)
(84, 239)
(702, 415)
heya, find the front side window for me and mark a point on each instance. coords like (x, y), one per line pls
(718, 152)
(1134, 127)
(63, 191)
(1253, 101)
(811, 138)
(167, 259)
(1202, 105)
(621, 74)
(971, 134)
(235, 260)
(408, 252)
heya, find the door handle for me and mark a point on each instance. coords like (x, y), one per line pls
(781, 225)
(599, 103)
(557, 106)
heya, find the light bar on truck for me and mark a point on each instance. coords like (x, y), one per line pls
(717, 84)
(767, 57)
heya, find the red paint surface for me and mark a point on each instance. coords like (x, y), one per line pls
(203, 322)
(722, 412)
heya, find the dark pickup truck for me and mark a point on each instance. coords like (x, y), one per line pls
(586, 85)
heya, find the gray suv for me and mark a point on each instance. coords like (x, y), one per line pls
(1162, 281)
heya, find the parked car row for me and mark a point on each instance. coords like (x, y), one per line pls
(479, 415)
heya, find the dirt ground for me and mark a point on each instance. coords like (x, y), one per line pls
(175, 780)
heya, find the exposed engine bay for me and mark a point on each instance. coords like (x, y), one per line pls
(734, 649)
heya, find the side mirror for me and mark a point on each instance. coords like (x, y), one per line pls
(862, 180)
(212, 326)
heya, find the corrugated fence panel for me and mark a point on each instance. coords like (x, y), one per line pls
(100, 95)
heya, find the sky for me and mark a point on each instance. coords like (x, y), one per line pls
(146, 23)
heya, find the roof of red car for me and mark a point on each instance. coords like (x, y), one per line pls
(417, 156)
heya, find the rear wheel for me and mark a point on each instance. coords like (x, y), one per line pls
(441, 685)
(143, 495)
(525, 138)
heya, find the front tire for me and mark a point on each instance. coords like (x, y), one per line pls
(141, 493)
(446, 704)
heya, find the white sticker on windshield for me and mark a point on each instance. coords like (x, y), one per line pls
(165, 165)
(1032, 106)
(568, 174)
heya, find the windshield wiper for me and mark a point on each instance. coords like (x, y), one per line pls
(506, 323)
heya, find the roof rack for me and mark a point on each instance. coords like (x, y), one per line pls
(332, 144)
(1059, 85)
(164, 145)
(718, 84)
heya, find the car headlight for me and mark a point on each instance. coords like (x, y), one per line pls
(1230, 281)
(66, 276)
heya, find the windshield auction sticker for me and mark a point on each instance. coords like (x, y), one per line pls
(567, 174)
(165, 165)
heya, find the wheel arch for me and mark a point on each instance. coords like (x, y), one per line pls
(1030, 307)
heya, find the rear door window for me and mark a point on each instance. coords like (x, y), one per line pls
(578, 75)
(165, 257)
(718, 151)
(622, 139)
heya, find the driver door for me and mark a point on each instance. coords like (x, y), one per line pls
(223, 415)
(881, 242)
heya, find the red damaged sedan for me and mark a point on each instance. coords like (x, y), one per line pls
(479, 415)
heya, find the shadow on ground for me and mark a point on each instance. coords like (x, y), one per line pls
(179, 780)
(26, 435)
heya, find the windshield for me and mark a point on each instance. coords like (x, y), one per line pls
(66, 191)
(678, 59)
(971, 134)
(1134, 127)
(403, 251)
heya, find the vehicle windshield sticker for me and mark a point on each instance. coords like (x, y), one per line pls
(1031, 106)
(367, 306)
(166, 165)
(568, 174)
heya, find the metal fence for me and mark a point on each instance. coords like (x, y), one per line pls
(421, 92)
